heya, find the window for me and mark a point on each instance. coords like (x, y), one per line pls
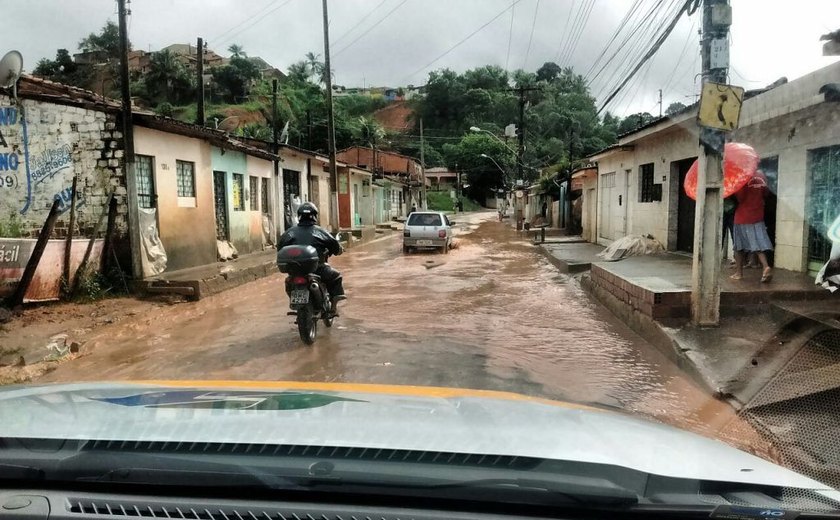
(646, 186)
(253, 199)
(185, 174)
(424, 219)
(145, 170)
(238, 192)
(264, 191)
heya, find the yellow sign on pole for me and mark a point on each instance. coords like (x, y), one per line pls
(720, 106)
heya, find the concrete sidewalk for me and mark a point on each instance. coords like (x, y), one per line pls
(571, 256)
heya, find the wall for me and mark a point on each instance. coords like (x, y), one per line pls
(187, 227)
(40, 155)
(589, 215)
(239, 221)
(261, 169)
(790, 137)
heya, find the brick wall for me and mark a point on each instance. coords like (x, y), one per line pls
(656, 305)
(58, 142)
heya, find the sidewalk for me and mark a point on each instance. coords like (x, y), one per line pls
(202, 281)
(572, 255)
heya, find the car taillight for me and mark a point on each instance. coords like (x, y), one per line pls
(299, 280)
(442, 233)
(406, 233)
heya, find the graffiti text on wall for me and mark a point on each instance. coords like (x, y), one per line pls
(10, 160)
(50, 162)
(64, 197)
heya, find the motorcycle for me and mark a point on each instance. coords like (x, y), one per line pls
(309, 298)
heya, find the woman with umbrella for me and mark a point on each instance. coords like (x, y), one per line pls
(749, 232)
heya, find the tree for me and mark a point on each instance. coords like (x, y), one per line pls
(549, 71)
(236, 51)
(674, 108)
(315, 66)
(634, 121)
(168, 80)
(64, 70)
(235, 78)
(107, 41)
(482, 173)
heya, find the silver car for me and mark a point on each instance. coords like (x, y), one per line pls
(427, 229)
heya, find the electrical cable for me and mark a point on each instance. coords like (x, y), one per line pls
(358, 23)
(621, 24)
(257, 18)
(510, 36)
(564, 34)
(531, 38)
(567, 38)
(655, 47)
(579, 34)
(369, 29)
(445, 53)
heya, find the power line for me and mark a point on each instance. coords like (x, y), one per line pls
(358, 23)
(426, 66)
(682, 55)
(531, 38)
(564, 38)
(248, 19)
(262, 18)
(621, 24)
(372, 27)
(655, 47)
(510, 36)
(580, 30)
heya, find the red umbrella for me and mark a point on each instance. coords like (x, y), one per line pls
(740, 162)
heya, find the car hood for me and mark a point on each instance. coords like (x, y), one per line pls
(374, 416)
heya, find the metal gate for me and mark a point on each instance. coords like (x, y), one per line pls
(291, 187)
(220, 198)
(823, 203)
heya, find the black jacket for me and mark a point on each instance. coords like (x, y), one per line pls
(306, 234)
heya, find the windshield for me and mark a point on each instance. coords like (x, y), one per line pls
(424, 219)
(600, 233)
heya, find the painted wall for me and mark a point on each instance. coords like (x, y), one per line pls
(42, 152)
(261, 169)
(187, 226)
(239, 221)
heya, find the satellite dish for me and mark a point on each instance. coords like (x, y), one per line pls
(10, 67)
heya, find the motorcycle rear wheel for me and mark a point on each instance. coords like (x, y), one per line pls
(307, 325)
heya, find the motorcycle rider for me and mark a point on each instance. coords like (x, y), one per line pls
(308, 233)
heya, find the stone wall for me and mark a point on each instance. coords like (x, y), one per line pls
(43, 146)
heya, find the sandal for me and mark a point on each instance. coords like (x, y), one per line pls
(736, 277)
(767, 275)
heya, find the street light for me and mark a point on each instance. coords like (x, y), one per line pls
(476, 129)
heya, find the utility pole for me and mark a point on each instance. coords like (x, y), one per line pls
(275, 149)
(128, 143)
(330, 122)
(660, 102)
(423, 164)
(199, 113)
(521, 91)
(705, 292)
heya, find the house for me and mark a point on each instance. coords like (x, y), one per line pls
(267, 71)
(585, 184)
(441, 178)
(388, 164)
(796, 131)
(139, 61)
(187, 54)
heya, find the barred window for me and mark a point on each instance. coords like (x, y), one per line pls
(646, 187)
(238, 192)
(185, 172)
(145, 168)
(255, 191)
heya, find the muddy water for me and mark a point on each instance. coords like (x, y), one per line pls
(492, 314)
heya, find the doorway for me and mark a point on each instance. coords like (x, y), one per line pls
(685, 207)
(220, 200)
(291, 187)
(605, 224)
(822, 203)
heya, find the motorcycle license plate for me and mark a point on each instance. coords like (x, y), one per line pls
(424, 242)
(300, 296)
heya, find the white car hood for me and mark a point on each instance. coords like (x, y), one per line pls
(370, 416)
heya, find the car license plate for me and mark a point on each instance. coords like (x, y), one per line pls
(424, 242)
(300, 296)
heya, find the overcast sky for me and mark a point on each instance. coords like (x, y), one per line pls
(770, 38)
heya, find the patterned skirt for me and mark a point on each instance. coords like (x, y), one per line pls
(751, 237)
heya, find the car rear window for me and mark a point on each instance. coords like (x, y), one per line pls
(424, 219)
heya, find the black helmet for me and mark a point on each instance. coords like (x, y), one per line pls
(308, 211)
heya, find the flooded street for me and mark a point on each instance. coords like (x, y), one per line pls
(492, 314)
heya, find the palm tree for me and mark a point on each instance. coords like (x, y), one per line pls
(167, 77)
(316, 67)
(236, 51)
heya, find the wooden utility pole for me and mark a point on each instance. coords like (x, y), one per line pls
(521, 91)
(278, 179)
(330, 122)
(706, 269)
(199, 117)
(423, 165)
(660, 102)
(68, 243)
(128, 154)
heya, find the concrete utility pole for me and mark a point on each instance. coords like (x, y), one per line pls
(330, 123)
(706, 268)
(128, 154)
(660, 102)
(423, 164)
(199, 113)
(275, 149)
